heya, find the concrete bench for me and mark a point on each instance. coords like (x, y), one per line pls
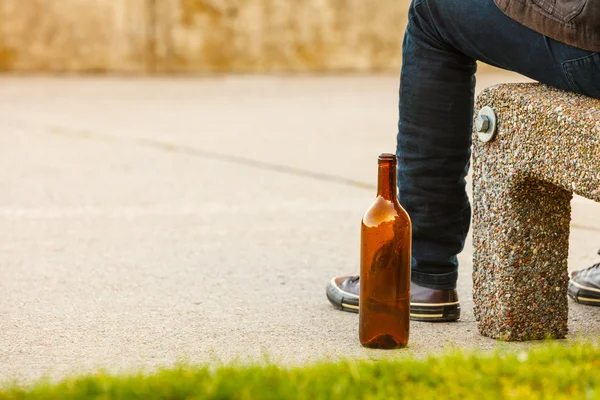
(546, 147)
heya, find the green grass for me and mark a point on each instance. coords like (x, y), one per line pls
(551, 371)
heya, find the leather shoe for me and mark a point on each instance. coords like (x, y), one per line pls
(432, 305)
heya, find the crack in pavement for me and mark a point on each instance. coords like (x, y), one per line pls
(193, 151)
(228, 158)
(585, 227)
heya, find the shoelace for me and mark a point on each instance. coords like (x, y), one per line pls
(354, 279)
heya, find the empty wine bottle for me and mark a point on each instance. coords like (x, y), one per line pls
(385, 259)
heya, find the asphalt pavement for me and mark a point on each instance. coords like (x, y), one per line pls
(146, 221)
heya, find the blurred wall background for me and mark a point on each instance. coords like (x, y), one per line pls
(201, 36)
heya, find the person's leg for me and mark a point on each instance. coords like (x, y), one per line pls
(443, 40)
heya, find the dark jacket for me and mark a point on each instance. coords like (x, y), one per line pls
(575, 22)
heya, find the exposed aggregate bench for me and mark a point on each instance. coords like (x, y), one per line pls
(545, 148)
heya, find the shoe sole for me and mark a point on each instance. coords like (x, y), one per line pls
(426, 312)
(583, 294)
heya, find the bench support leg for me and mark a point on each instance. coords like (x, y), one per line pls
(521, 243)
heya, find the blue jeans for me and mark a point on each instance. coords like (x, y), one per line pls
(443, 40)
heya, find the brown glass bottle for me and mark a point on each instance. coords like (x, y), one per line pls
(386, 239)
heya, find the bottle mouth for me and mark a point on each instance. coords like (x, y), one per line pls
(387, 157)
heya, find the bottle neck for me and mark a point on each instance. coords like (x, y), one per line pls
(386, 182)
